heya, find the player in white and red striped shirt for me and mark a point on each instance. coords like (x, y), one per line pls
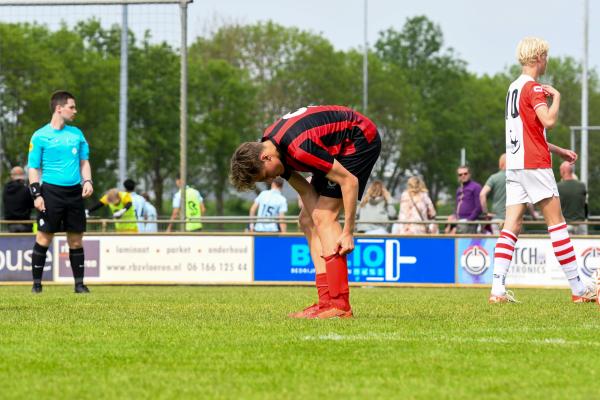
(529, 176)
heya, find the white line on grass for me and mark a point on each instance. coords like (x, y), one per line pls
(451, 339)
(585, 327)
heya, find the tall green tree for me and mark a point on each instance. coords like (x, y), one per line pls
(34, 62)
(153, 131)
(222, 115)
(437, 77)
(290, 68)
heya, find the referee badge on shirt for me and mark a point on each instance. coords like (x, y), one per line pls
(74, 150)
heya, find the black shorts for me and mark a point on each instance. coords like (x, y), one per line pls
(359, 164)
(65, 210)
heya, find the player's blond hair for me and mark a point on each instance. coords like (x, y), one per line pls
(112, 195)
(530, 48)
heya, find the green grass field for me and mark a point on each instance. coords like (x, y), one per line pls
(236, 342)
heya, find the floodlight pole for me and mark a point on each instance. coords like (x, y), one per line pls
(183, 115)
(584, 97)
(123, 98)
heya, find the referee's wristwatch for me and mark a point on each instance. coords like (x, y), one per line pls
(88, 180)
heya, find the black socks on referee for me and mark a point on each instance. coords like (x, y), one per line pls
(38, 260)
(77, 259)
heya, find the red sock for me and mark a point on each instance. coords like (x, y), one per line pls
(323, 290)
(337, 280)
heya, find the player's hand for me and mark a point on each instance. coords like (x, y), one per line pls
(39, 204)
(550, 91)
(87, 190)
(119, 213)
(568, 155)
(345, 243)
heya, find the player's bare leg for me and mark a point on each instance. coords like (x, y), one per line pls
(563, 249)
(503, 253)
(325, 218)
(77, 259)
(38, 259)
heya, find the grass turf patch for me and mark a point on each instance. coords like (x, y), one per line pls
(236, 342)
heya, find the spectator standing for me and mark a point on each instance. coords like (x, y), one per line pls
(17, 201)
(573, 195)
(496, 187)
(270, 204)
(468, 205)
(376, 206)
(139, 203)
(194, 207)
(415, 204)
(150, 215)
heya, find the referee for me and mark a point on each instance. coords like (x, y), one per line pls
(59, 155)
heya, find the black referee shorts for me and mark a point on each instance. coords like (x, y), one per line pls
(65, 210)
(360, 164)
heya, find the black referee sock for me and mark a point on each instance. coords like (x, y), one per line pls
(77, 260)
(38, 260)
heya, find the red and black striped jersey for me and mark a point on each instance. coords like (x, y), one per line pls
(311, 138)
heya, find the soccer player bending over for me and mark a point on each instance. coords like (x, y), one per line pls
(529, 176)
(340, 147)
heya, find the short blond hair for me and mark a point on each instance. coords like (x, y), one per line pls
(530, 48)
(112, 195)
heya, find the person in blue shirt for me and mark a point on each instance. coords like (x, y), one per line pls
(150, 215)
(60, 177)
(270, 204)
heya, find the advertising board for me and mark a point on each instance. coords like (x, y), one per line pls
(156, 259)
(15, 259)
(374, 260)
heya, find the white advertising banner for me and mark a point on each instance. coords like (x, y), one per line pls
(160, 259)
(534, 262)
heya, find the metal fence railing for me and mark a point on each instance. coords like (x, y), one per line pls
(241, 223)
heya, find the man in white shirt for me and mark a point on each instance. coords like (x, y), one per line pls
(150, 215)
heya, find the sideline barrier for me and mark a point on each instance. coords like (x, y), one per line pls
(15, 259)
(284, 259)
(374, 260)
(533, 264)
(160, 259)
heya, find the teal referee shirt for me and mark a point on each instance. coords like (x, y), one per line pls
(58, 153)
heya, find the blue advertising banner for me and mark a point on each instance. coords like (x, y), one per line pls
(15, 259)
(374, 260)
(474, 258)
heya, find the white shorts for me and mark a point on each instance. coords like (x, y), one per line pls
(529, 185)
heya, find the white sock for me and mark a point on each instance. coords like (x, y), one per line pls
(565, 254)
(503, 253)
